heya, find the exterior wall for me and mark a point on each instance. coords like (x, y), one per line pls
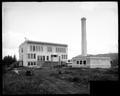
(100, 62)
(92, 62)
(26, 51)
(22, 55)
(75, 60)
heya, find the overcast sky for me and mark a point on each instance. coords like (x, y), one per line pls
(60, 22)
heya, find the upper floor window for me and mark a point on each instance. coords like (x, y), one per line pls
(61, 50)
(30, 47)
(49, 49)
(34, 56)
(57, 49)
(28, 56)
(33, 48)
(41, 48)
(36, 48)
(65, 56)
(62, 56)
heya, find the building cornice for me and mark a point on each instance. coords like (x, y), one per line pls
(46, 43)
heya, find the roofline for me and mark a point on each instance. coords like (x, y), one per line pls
(45, 43)
(90, 57)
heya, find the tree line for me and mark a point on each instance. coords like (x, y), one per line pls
(8, 62)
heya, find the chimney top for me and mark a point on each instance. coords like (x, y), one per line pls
(83, 18)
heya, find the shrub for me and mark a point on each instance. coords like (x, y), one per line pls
(29, 73)
(59, 72)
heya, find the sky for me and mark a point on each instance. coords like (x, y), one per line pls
(60, 22)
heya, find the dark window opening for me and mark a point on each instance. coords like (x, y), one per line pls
(77, 62)
(84, 62)
(68, 60)
(28, 63)
(80, 62)
(31, 63)
(53, 55)
(47, 57)
(34, 56)
(43, 58)
(33, 48)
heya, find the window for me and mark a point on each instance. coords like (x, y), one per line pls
(60, 49)
(68, 60)
(64, 50)
(41, 48)
(66, 56)
(43, 58)
(34, 56)
(49, 49)
(40, 57)
(31, 56)
(62, 56)
(22, 50)
(28, 63)
(36, 48)
(84, 62)
(31, 63)
(80, 62)
(56, 50)
(33, 48)
(28, 56)
(77, 62)
(34, 63)
(47, 57)
(30, 47)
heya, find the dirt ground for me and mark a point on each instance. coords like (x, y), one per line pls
(54, 80)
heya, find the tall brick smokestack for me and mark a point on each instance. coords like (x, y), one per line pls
(83, 41)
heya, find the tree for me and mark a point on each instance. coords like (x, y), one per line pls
(14, 59)
(8, 62)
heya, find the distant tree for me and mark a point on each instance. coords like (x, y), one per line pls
(14, 59)
(8, 62)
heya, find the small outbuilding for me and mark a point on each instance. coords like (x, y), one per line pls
(91, 62)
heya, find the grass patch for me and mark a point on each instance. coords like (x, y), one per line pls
(54, 81)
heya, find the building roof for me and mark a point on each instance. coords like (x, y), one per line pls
(90, 56)
(45, 43)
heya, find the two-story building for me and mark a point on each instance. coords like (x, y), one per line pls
(31, 53)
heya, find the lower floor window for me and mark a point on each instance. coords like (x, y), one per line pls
(28, 63)
(84, 62)
(47, 57)
(77, 62)
(34, 63)
(31, 63)
(80, 62)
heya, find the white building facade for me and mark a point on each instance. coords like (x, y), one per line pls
(31, 53)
